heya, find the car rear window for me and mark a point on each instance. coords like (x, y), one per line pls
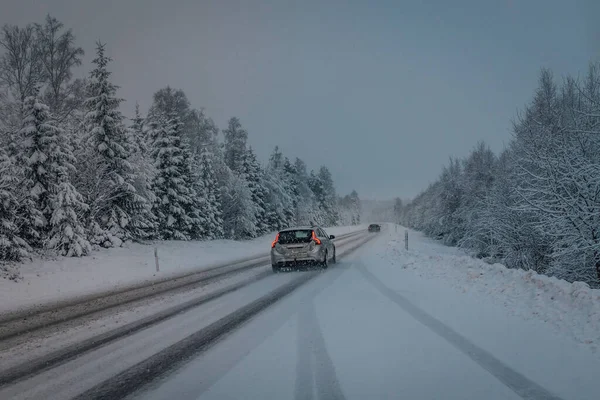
(295, 236)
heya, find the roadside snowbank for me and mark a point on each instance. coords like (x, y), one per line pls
(570, 308)
(50, 280)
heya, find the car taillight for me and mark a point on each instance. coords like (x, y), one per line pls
(315, 238)
(275, 241)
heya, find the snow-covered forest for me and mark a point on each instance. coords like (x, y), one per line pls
(76, 173)
(537, 204)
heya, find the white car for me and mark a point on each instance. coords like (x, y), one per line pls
(301, 246)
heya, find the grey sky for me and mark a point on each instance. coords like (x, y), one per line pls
(390, 89)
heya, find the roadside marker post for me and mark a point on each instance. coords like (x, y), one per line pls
(156, 259)
(406, 239)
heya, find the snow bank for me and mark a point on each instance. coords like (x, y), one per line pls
(571, 308)
(46, 280)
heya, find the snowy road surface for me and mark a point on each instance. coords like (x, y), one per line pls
(369, 331)
(74, 375)
(384, 323)
(47, 281)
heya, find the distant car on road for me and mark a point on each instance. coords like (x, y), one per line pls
(300, 246)
(374, 228)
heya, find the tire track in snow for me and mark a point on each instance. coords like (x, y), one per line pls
(173, 357)
(40, 317)
(314, 364)
(518, 383)
(215, 366)
(305, 379)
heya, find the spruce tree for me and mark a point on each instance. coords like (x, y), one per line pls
(238, 209)
(120, 212)
(253, 174)
(197, 205)
(50, 199)
(48, 163)
(171, 184)
(38, 139)
(143, 171)
(213, 221)
(235, 145)
(328, 197)
(306, 208)
(12, 246)
(279, 203)
(67, 234)
(290, 180)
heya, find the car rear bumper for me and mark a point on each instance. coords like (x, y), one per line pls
(297, 264)
(304, 258)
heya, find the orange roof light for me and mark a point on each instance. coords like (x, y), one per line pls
(275, 241)
(315, 238)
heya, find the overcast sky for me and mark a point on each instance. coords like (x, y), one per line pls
(382, 92)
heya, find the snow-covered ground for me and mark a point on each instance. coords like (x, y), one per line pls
(423, 323)
(51, 280)
(571, 309)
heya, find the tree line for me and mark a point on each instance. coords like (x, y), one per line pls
(537, 204)
(75, 173)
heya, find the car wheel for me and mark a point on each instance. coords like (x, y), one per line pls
(325, 264)
(275, 268)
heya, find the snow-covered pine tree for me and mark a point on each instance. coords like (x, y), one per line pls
(274, 217)
(171, 182)
(204, 132)
(290, 177)
(232, 175)
(196, 208)
(143, 171)
(349, 209)
(67, 235)
(253, 174)
(222, 177)
(279, 202)
(235, 145)
(213, 221)
(38, 138)
(344, 205)
(73, 126)
(174, 102)
(119, 212)
(12, 246)
(137, 135)
(329, 197)
(47, 162)
(206, 148)
(306, 207)
(355, 208)
(239, 220)
(316, 187)
(324, 190)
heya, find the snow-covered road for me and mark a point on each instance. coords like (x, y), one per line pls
(371, 329)
(384, 323)
(76, 374)
(47, 281)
